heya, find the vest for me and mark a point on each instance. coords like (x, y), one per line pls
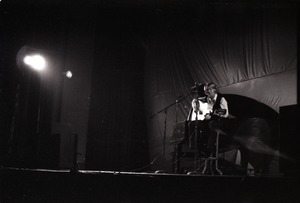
(217, 105)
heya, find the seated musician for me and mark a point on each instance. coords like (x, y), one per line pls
(211, 110)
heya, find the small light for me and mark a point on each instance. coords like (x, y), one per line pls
(69, 74)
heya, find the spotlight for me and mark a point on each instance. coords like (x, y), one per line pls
(36, 62)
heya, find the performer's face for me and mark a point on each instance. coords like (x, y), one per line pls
(210, 91)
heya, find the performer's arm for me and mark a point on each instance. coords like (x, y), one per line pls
(224, 105)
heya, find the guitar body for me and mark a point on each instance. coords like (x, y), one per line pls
(204, 111)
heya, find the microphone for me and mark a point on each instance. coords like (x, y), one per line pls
(195, 87)
(199, 88)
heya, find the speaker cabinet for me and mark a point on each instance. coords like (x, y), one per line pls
(289, 140)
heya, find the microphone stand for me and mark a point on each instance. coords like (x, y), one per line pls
(196, 147)
(165, 109)
(196, 136)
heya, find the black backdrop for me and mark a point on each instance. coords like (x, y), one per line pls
(145, 58)
(117, 126)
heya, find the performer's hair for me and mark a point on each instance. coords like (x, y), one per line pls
(213, 86)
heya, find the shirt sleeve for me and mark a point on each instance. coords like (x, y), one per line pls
(224, 105)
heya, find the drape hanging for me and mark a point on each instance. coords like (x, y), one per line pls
(251, 52)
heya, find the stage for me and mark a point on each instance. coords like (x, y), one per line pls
(41, 185)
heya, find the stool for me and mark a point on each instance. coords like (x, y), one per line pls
(216, 157)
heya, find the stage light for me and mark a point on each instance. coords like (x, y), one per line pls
(36, 62)
(69, 74)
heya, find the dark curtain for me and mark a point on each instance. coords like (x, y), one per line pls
(245, 51)
(146, 60)
(117, 130)
(226, 46)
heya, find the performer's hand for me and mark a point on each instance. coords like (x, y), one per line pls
(207, 116)
(195, 105)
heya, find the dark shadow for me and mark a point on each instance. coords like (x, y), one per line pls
(245, 107)
(254, 126)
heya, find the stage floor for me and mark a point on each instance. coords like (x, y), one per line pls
(43, 185)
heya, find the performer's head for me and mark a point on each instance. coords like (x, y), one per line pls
(211, 89)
